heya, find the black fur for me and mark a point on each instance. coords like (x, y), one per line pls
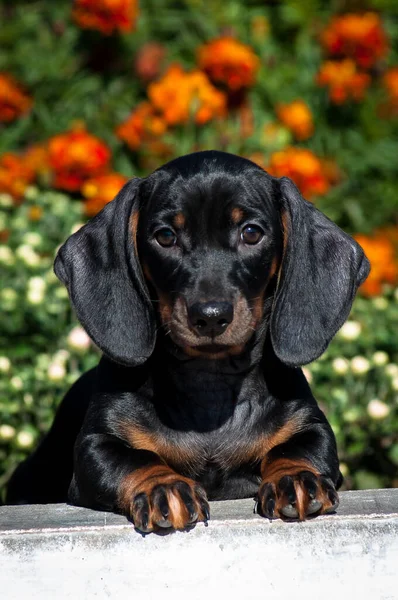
(222, 405)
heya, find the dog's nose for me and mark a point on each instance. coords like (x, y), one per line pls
(211, 318)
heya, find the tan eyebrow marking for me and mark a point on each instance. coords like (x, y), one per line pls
(179, 221)
(237, 214)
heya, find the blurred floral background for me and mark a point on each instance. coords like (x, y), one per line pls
(93, 92)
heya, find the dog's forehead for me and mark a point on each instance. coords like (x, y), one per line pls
(213, 191)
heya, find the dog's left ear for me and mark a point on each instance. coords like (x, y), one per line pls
(321, 270)
(100, 267)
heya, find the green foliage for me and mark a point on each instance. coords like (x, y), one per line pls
(38, 360)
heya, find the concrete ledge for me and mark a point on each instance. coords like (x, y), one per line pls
(59, 551)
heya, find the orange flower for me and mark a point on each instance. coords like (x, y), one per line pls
(13, 101)
(76, 156)
(390, 81)
(297, 117)
(142, 126)
(15, 175)
(227, 61)
(304, 167)
(106, 16)
(36, 158)
(358, 36)
(343, 80)
(383, 260)
(101, 190)
(178, 95)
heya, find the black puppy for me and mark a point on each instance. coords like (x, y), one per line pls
(206, 285)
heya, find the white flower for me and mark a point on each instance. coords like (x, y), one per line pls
(391, 370)
(307, 374)
(28, 255)
(61, 356)
(31, 192)
(78, 339)
(344, 469)
(380, 358)
(56, 371)
(351, 415)
(36, 283)
(32, 238)
(61, 293)
(16, 383)
(7, 432)
(28, 399)
(25, 439)
(6, 255)
(5, 364)
(9, 297)
(378, 409)
(394, 383)
(340, 365)
(380, 303)
(6, 200)
(360, 365)
(350, 330)
(35, 296)
(76, 227)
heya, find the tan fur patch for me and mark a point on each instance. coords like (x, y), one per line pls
(237, 215)
(177, 455)
(179, 221)
(134, 226)
(257, 449)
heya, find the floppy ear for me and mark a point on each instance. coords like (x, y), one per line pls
(321, 270)
(100, 268)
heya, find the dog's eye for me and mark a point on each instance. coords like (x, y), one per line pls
(166, 237)
(251, 234)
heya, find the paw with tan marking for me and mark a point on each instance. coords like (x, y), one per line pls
(297, 496)
(168, 503)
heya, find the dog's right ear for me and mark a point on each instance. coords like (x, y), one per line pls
(100, 267)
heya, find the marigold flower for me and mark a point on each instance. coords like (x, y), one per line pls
(76, 156)
(228, 61)
(106, 16)
(14, 102)
(297, 117)
(15, 175)
(36, 158)
(357, 36)
(143, 125)
(344, 80)
(390, 80)
(178, 95)
(303, 166)
(382, 255)
(101, 190)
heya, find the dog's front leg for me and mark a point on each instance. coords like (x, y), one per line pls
(300, 477)
(109, 475)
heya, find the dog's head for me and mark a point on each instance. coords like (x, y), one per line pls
(212, 246)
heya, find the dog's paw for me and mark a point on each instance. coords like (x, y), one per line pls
(175, 503)
(297, 496)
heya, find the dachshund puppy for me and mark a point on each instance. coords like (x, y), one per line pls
(206, 285)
